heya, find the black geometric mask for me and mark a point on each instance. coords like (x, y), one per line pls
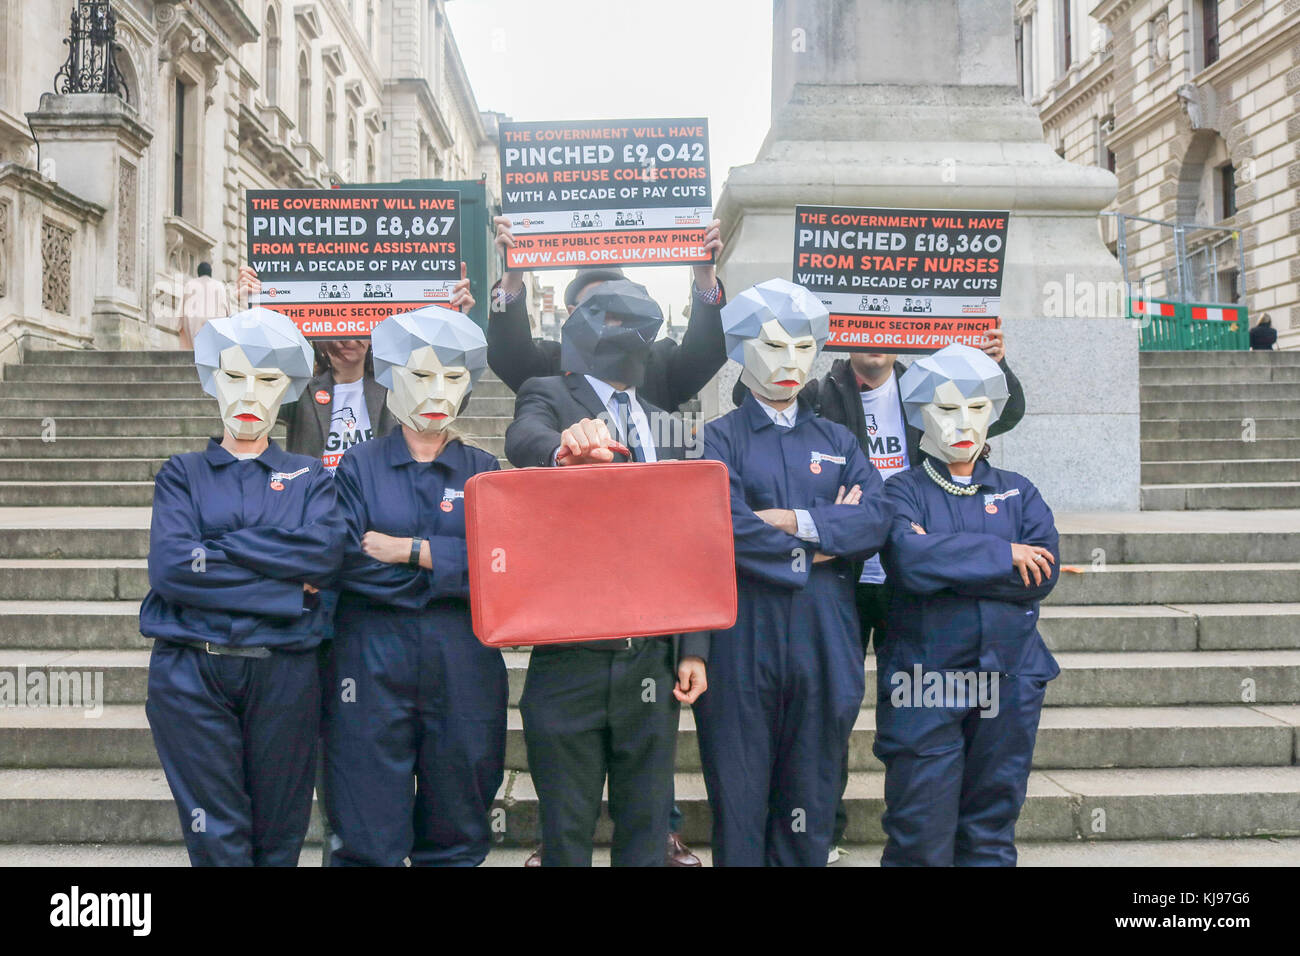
(612, 353)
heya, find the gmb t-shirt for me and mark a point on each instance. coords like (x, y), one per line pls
(349, 422)
(887, 447)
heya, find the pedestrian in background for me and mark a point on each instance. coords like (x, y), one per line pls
(204, 300)
(1263, 336)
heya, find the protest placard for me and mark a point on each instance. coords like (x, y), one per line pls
(624, 192)
(338, 262)
(902, 280)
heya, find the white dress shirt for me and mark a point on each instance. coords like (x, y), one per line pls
(785, 418)
(605, 392)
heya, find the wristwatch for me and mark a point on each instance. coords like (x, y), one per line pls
(414, 559)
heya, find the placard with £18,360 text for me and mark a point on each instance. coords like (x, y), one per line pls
(610, 192)
(902, 280)
(338, 262)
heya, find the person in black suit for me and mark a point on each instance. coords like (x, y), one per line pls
(673, 374)
(583, 707)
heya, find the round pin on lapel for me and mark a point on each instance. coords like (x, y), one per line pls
(277, 486)
(991, 508)
(815, 468)
(446, 506)
(322, 397)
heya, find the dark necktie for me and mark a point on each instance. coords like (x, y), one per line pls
(627, 427)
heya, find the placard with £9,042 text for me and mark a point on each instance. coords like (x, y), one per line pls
(606, 193)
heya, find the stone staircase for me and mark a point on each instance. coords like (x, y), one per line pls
(1171, 736)
(1219, 430)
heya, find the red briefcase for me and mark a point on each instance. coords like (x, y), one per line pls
(597, 552)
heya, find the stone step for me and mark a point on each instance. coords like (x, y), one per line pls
(1198, 583)
(1200, 410)
(1175, 678)
(1211, 390)
(1261, 536)
(1088, 679)
(100, 447)
(65, 428)
(146, 447)
(112, 358)
(1186, 627)
(1200, 497)
(87, 542)
(113, 625)
(1219, 375)
(68, 493)
(1088, 538)
(105, 391)
(126, 374)
(54, 405)
(81, 579)
(54, 377)
(1191, 449)
(109, 357)
(79, 469)
(1248, 471)
(71, 625)
(134, 806)
(1231, 429)
(1245, 851)
(158, 427)
(118, 736)
(1245, 358)
(1109, 582)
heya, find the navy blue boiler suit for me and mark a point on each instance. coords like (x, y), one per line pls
(956, 770)
(231, 543)
(413, 697)
(786, 682)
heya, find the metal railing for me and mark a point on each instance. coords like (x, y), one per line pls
(1187, 288)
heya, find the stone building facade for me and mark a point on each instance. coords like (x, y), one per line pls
(1195, 105)
(108, 203)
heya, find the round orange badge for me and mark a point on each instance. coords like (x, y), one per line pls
(991, 509)
(322, 397)
(815, 468)
(277, 486)
(446, 506)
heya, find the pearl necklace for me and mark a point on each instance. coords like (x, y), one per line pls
(949, 486)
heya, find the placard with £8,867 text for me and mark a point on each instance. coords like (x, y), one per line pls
(338, 262)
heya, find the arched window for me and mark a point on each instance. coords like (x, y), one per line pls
(331, 129)
(304, 98)
(272, 57)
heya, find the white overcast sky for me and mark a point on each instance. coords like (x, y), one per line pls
(600, 59)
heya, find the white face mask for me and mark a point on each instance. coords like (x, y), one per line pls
(955, 426)
(426, 394)
(248, 398)
(777, 364)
